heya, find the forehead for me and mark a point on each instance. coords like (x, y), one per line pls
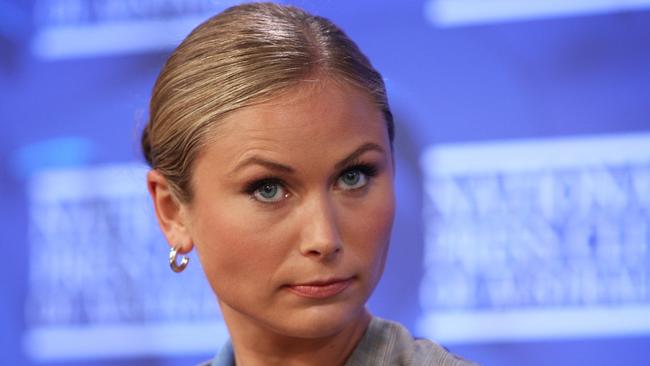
(319, 115)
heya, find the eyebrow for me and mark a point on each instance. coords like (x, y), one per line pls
(272, 165)
(368, 146)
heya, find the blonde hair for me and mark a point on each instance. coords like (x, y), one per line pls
(240, 57)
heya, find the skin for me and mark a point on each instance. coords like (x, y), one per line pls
(327, 219)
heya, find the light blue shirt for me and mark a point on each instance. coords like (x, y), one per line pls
(385, 343)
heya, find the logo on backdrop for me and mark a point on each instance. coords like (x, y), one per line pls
(79, 28)
(452, 13)
(535, 239)
(99, 273)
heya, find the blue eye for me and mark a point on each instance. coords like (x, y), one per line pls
(352, 179)
(269, 192)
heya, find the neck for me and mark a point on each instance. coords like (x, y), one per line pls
(259, 345)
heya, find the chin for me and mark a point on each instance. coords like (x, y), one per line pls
(295, 317)
(320, 321)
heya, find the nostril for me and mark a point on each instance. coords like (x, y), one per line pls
(315, 253)
(322, 251)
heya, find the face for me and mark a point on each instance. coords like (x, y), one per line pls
(292, 210)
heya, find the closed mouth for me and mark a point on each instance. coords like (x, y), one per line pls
(321, 289)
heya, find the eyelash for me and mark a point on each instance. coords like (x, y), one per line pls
(367, 169)
(259, 183)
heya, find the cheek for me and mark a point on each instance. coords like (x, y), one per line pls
(234, 256)
(382, 227)
(370, 226)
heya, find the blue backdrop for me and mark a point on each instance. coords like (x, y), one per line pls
(523, 153)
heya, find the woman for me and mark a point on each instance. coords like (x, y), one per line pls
(270, 142)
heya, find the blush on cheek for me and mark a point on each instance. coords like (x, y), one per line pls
(383, 229)
(380, 222)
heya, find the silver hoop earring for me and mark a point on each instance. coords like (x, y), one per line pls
(176, 267)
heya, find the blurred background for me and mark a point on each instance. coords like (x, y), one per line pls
(523, 150)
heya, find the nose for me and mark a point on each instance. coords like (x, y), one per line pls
(320, 235)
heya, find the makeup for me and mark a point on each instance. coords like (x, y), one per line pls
(321, 289)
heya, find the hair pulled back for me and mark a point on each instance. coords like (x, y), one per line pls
(240, 57)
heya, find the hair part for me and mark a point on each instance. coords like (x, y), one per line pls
(243, 56)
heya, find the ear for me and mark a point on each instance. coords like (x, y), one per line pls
(170, 212)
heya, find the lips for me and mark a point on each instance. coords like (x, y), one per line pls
(320, 289)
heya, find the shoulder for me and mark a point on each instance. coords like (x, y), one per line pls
(390, 343)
